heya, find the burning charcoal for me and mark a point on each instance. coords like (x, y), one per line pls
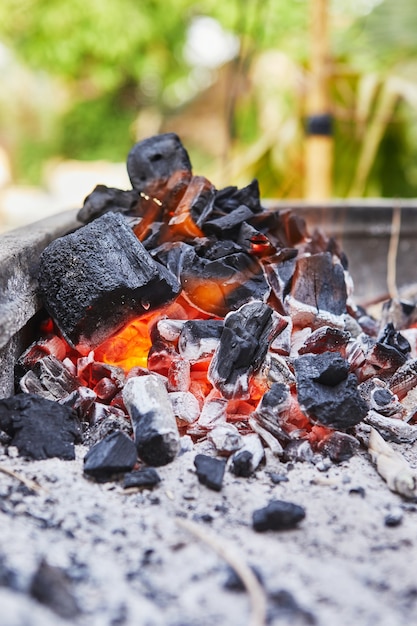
(55, 378)
(273, 404)
(105, 420)
(278, 515)
(243, 345)
(39, 349)
(97, 279)
(392, 429)
(199, 338)
(113, 455)
(30, 383)
(155, 159)
(253, 241)
(298, 451)
(277, 370)
(318, 287)
(145, 478)
(156, 433)
(40, 429)
(51, 587)
(269, 439)
(225, 438)
(214, 410)
(231, 197)
(282, 342)
(339, 446)
(81, 400)
(404, 379)
(103, 199)
(170, 330)
(280, 272)
(224, 227)
(210, 471)
(185, 406)
(192, 209)
(179, 378)
(327, 393)
(248, 458)
(391, 337)
(326, 339)
(386, 403)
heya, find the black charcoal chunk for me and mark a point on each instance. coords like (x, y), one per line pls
(145, 478)
(113, 455)
(154, 425)
(339, 446)
(241, 464)
(97, 279)
(224, 226)
(40, 428)
(155, 159)
(327, 393)
(103, 199)
(210, 471)
(50, 586)
(229, 198)
(319, 282)
(392, 337)
(243, 345)
(278, 515)
(284, 608)
(199, 338)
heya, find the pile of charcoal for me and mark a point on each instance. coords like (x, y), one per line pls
(181, 313)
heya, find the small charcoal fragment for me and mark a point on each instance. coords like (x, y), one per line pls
(103, 199)
(198, 339)
(242, 463)
(156, 433)
(155, 159)
(394, 517)
(210, 471)
(339, 446)
(100, 277)
(40, 428)
(51, 587)
(145, 478)
(113, 455)
(224, 226)
(278, 515)
(327, 393)
(248, 458)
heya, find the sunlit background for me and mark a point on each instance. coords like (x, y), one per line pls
(239, 82)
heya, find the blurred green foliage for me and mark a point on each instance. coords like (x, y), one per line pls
(113, 59)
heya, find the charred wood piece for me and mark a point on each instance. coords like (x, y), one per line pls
(95, 280)
(404, 379)
(244, 342)
(318, 287)
(339, 446)
(145, 478)
(40, 428)
(103, 199)
(156, 433)
(210, 471)
(327, 393)
(113, 455)
(155, 159)
(199, 339)
(273, 404)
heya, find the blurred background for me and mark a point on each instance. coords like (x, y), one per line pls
(315, 98)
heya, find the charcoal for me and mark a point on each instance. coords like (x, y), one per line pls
(404, 379)
(210, 471)
(198, 339)
(193, 208)
(278, 515)
(225, 226)
(319, 283)
(179, 375)
(103, 199)
(327, 393)
(225, 438)
(248, 458)
(55, 377)
(243, 345)
(106, 420)
(51, 587)
(251, 240)
(30, 383)
(229, 198)
(154, 425)
(185, 406)
(224, 284)
(81, 400)
(156, 159)
(298, 451)
(40, 428)
(97, 279)
(145, 478)
(326, 339)
(113, 455)
(339, 446)
(391, 337)
(275, 403)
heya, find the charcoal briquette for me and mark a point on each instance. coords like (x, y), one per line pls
(40, 428)
(155, 159)
(113, 455)
(210, 471)
(100, 277)
(278, 515)
(145, 478)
